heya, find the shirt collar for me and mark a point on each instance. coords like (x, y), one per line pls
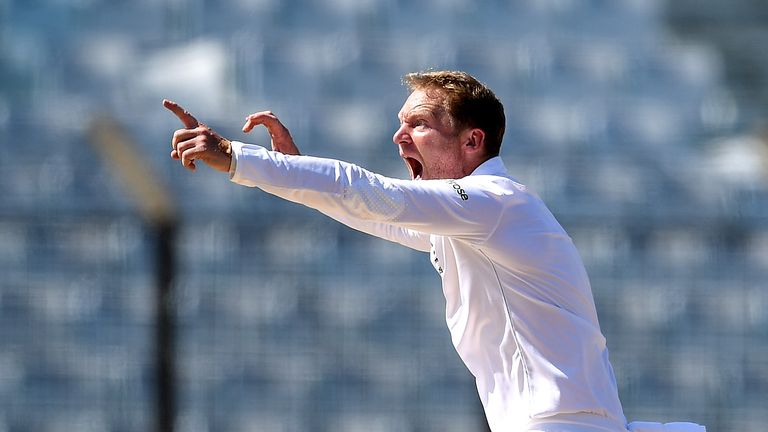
(493, 166)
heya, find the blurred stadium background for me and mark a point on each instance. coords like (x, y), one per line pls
(641, 123)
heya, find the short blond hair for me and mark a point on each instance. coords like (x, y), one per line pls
(468, 102)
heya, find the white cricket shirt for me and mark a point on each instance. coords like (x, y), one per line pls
(518, 301)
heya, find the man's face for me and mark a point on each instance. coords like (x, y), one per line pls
(427, 141)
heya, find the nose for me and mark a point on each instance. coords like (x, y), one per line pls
(401, 136)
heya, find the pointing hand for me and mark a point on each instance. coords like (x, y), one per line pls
(197, 142)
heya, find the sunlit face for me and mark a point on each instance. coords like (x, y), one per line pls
(428, 142)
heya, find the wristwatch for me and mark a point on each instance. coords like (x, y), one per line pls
(225, 146)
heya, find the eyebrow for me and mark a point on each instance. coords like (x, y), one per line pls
(417, 112)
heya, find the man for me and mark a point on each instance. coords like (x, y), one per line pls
(518, 301)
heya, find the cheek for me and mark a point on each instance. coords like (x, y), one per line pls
(441, 163)
(436, 148)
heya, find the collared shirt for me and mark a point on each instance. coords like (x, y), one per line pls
(519, 305)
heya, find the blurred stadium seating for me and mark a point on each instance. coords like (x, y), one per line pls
(288, 321)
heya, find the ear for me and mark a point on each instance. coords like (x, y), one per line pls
(474, 140)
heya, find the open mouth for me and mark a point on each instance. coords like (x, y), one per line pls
(415, 167)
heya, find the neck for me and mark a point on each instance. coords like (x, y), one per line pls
(471, 166)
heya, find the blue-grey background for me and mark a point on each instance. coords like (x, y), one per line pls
(640, 122)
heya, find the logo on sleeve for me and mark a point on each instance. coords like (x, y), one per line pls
(459, 190)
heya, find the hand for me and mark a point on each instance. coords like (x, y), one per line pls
(281, 138)
(197, 142)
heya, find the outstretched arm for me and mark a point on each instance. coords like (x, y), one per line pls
(467, 208)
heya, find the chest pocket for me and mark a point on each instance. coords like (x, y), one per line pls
(436, 255)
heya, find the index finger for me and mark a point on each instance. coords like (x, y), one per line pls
(187, 119)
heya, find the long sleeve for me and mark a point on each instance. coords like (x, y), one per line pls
(399, 210)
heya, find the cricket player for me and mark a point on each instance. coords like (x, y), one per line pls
(519, 305)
